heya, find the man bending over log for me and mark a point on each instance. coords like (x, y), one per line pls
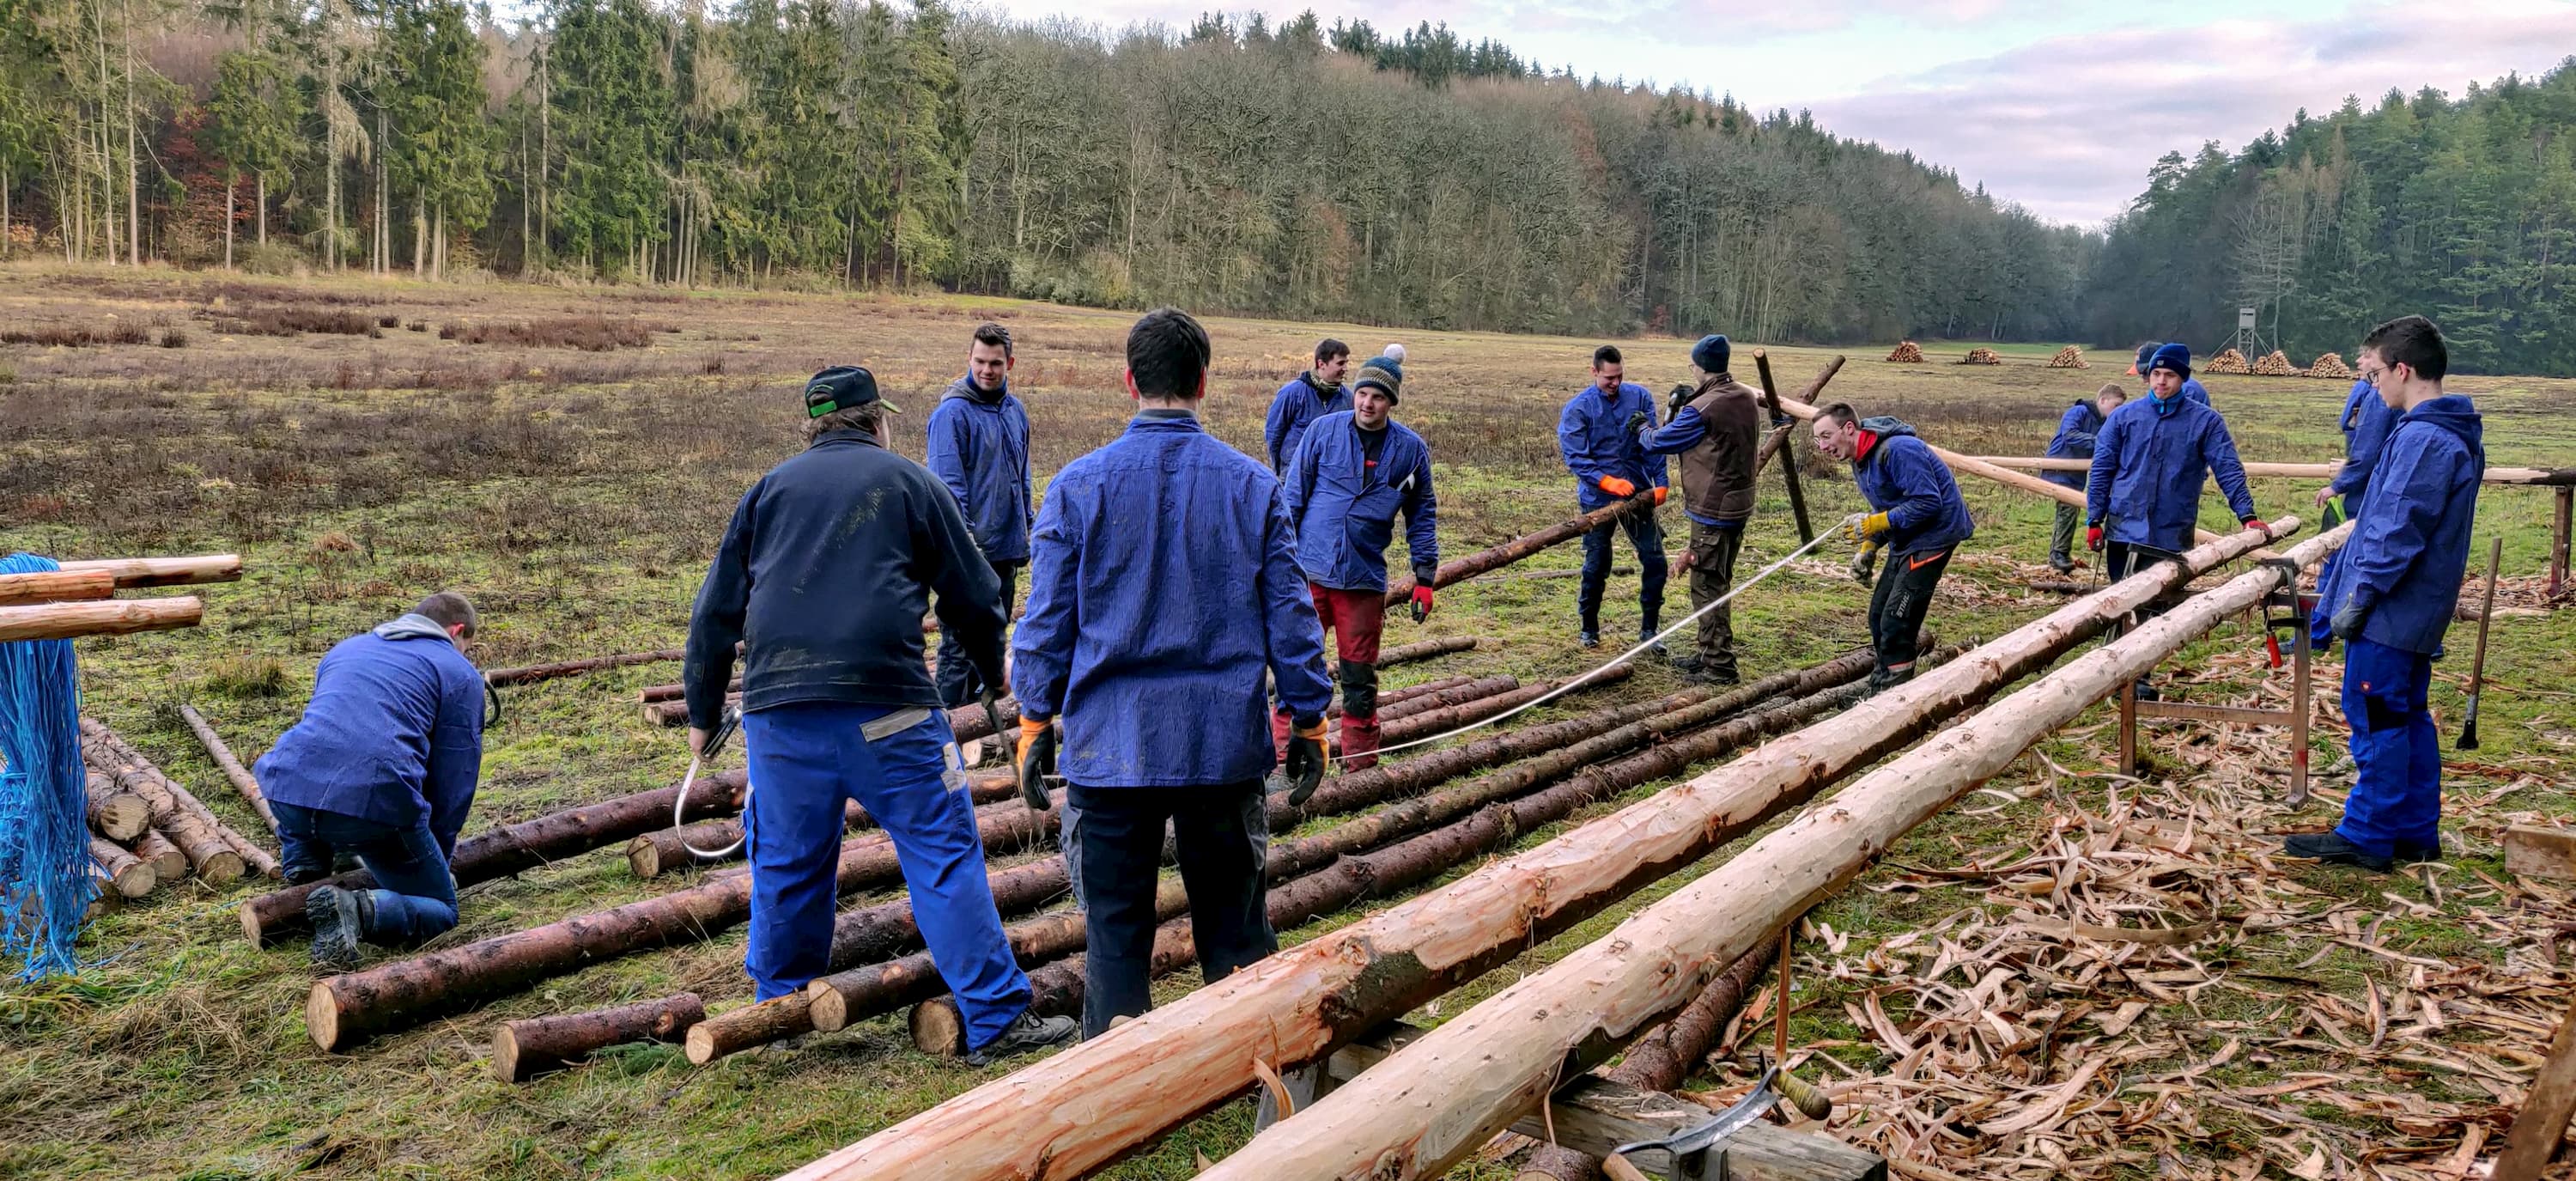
(1718, 434)
(382, 766)
(1354, 471)
(2391, 596)
(1920, 520)
(979, 447)
(823, 577)
(1161, 588)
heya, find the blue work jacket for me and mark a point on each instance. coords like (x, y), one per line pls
(2411, 548)
(1593, 436)
(979, 447)
(1296, 406)
(1900, 476)
(2366, 421)
(2074, 440)
(2149, 469)
(394, 733)
(1343, 508)
(2192, 389)
(1162, 588)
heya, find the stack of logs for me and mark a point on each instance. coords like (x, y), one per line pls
(2331, 365)
(2227, 361)
(1907, 353)
(2275, 364)
(146, 829)
(1982, 357)
(2069, 357)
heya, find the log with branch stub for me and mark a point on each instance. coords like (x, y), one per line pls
(232, 768)
(1298, 1005)
(117, 814)
(114, 617)
(55, 586)
(522, 1050)
(1460, 569)
(131, 876)
(1498, 1059)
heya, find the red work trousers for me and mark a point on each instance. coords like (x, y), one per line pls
(1356, 618)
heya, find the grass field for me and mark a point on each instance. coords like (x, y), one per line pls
(569, 458)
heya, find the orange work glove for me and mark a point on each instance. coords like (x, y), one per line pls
(1617, 487)
(1661, 494)
(1036, 758)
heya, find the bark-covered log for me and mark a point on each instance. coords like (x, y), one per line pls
(513, 848)
(524, 1049)
(117, 814)
(114, 617)
(167, 862)
(1498, 1059)
(1660, 1060)
(1076, 1111)
(667, 850)
(1446, 718)
(675, 690)
(140, 573)
(1426, 649)
(215, 860)
(55, 586)
(131, 876)
(232, 767)
(1399, 589)
(531, 673)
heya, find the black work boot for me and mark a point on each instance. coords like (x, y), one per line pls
(1026, 1032)
(1884, 679)
(2332, 849)
(2414, 854)
(339, 919)
(1590, 635)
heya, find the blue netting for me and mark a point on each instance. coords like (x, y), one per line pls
(45, 878)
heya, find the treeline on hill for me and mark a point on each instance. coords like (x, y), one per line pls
(2462, 210)
(1288, 170)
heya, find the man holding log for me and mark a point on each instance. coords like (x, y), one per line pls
(1597, 435)
(822, 577)
(1163, 587)
(383, 766)
(979, 448)
(1352, 474)
(1919, 522)
(2077, 430)
(2391, 596)
(1308, 396)
(1718, 434)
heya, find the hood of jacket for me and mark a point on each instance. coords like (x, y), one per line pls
(966, 389)
(2456, 414)
(415, 626)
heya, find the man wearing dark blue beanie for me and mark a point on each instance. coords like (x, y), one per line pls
(1718, 435)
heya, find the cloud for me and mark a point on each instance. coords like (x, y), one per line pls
(2069, 126)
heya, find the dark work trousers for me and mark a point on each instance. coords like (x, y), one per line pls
(958, 682)
(1646, 536)
(1897, 607)
(2122, 559)
(2061, 538)
(1221, 837)
(415, 896)
(1713, 550)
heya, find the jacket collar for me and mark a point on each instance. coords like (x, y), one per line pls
(1163, 419)
(965, 389)
(1868, 443)
(851, 435)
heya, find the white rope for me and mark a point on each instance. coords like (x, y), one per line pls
(680, 805)
(1642, 645)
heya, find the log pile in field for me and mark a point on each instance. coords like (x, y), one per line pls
(1907, 353)
(216, 853)
(1982, 356)
(2069, 357)
(2275, 364)
(2228, 360)
(2331, 365)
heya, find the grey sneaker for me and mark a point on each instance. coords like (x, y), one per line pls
(1589, 639)
(1026, 1032)
(339, 920)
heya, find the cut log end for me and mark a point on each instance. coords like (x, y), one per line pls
(221, 869)
(937, 1028)
(830, 1011)
(701, 1046)
(251, 925)
(322, 1015)
(121, 816)
(644, 857)
(505, 1054)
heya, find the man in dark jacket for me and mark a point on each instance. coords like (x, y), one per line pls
(1162, 590)
(1307, 397)
(2390, 597)
(979, 447)
(823, 577)
(1597, 435)
(1920, 520)
(2074, 440)
(382, 766)
(1718, 434)
(1350, 477)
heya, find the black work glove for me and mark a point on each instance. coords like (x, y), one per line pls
(1306, 758)
(1680, 397)
(1637, 421)
(1036, 761)
(2349, 617)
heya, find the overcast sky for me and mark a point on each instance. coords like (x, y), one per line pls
(2061, 105)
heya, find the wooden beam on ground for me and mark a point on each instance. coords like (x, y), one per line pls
(2533, 1139)
(55, 586)
(232, 767)
(524, 1049)
(531, 673)
(139, 573)
(115, 617)
(2532, 851)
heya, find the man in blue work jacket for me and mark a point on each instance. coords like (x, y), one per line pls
(1162, 590)
(822, 577)
(979, 447)
(1718, 434)
(2076, 430)
(2144, 367)
(1919, 521)
(2391, 596)
(1307, 397)
(2367, 420)
(382, 766)
(1597, 435)
(1350, 477)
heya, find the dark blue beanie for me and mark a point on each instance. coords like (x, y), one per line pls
(1710, 353)
(2146, 356)
(2176, 357)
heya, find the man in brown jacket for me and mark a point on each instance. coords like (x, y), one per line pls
(1717, 434)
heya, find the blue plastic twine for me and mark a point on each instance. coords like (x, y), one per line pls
(46, 884)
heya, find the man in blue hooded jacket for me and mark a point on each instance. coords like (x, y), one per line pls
(2390, 596)
(1597, 434)
(1163, 588)
(979, 448)
(383, 766)
(2076, 432)
(1920, 521)
(1351, 475)
(2144, 367)
(1307, 397)
(2367, 420)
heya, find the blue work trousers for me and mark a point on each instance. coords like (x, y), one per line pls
(1647, 537)
(805, 761)
(415, 896)
(2396, 800)
(959, 683)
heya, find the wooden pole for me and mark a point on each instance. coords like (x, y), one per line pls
(1426, 649)
(1789, 467)
(522, 1050)
(2542, 1122)
(1499, 1059)
(167, 862)
(1079, 1110)
(1399, 589)
(532, 673)
(2558, 540)
(232, 768)
(55, 586)
(115, 617)
(140, 573)
(1659, 1061)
